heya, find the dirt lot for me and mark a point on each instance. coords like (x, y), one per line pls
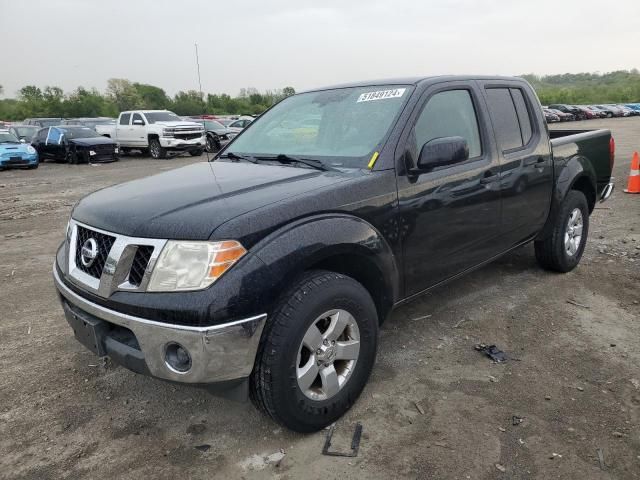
(574, 375)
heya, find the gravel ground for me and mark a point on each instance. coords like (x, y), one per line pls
(434, 407)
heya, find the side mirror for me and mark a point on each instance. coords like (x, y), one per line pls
(440, 152)
(138, 122)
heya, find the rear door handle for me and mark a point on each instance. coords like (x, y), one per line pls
(534, 161)
(489, 177)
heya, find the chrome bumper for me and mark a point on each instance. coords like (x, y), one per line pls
(607, 191)
(218, 353)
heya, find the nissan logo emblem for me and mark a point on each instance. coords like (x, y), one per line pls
(89, 252)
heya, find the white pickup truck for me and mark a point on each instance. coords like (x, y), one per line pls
(158, 131)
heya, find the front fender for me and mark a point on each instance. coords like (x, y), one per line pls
(300, 245)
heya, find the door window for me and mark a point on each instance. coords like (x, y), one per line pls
(137, 116)
(511, 117)
(449, 114)
(124, 118)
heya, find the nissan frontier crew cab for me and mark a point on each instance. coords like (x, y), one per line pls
(159, 132)
(268, 271)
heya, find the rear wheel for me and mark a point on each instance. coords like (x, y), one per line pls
(156, 149)
(316, 352)
(561, 251)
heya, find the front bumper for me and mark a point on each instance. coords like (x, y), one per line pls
(218, 353)
(172, 143)
(19, 161)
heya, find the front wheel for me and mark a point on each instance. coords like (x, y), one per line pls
(156, 149)
(562, 249)
(196, 153)
(213, 144)
(316, 352)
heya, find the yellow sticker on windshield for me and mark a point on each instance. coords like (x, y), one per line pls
(372, 162)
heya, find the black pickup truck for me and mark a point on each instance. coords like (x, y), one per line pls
(268, 271)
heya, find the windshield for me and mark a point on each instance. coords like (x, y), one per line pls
(225, 121)
(6, 137)
(212, 125)
(79, 132)
(26, 131)
(49, 122)
(154, 117)
(341, 127)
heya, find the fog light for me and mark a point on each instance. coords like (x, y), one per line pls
(177, 358)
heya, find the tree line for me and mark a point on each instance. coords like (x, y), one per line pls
(621, 86)
(122, 94)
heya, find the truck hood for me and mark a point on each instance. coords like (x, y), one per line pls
(179, 124)
(189, 203)
(98, 140)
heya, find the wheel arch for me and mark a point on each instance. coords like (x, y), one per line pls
(335, 242)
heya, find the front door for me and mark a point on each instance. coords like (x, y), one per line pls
(450, 217)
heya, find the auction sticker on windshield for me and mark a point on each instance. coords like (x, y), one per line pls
(381, 95)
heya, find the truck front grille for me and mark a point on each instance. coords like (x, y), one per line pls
(104, 262)
(103, 244)
(139, 265)
(187, 136)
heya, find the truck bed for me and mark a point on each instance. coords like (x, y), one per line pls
(594, 145)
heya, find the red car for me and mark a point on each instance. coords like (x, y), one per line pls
(589, 114)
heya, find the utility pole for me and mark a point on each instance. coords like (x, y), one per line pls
(198, 65)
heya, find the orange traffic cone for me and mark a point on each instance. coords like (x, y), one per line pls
(634, 175)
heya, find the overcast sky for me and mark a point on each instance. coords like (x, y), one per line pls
(303, 43)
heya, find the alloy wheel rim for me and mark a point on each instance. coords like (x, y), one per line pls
(573, 232)
(328, 354)
(154, 150)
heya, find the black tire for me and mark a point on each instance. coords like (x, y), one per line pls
(274, 385)
(156, 149)
(213, 144)
(551, 252)
(32, 167)
(196, 153)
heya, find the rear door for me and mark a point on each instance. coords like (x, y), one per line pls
(526, 170)
(449, 217)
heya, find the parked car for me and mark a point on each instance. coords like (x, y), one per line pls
(627, 112)
(14, 153)
(564, 117)
(607, 111)
(615, 111)
(596, 111)
(587, 112)
(570, 109)
(74, 144)
(549, 116)
(217, 134)
(633, 106)
(161, 132)
(24, 132)
(89, 121)
(240, 124)
(271, 269)
(43, 122)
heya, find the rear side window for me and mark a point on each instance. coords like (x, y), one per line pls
(124, 118)
(449, 114)
(504, 118)
(523, 115)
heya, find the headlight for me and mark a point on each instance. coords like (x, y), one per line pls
(116, 150)
(167, 133)
(92, 152)
(193, 265)
(31, 150)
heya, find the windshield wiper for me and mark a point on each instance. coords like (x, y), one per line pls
(235, 156)
(287, 159)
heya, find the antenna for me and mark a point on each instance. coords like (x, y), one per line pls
(201, 97)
